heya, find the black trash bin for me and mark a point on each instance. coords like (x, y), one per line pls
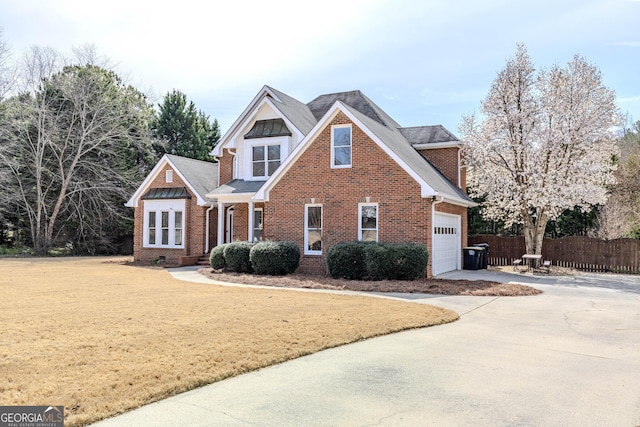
(472, 257)
(485, 254)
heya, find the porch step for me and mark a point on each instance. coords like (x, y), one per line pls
(203, 261)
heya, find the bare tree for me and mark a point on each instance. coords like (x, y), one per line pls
(76, 146)
(8, 70)
(543, 145)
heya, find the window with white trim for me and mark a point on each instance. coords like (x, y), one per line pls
(265, 159)
(341, 146)
(168, 176)
(368, 222)
(313, 229)
(177, 228)
(151, 228)
(163, 224)
(164, 215)
(257, 224)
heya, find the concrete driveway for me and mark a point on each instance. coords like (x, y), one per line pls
(568, 357)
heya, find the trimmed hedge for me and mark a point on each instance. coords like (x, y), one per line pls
(347, 260)
(274, 258)
(407, 261)
(377, 261)
(236, 257)
(216, 258)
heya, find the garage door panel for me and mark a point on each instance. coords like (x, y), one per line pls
(446, 243)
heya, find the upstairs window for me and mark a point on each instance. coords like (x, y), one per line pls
(368, 222)
(341, 146)
(265, 160)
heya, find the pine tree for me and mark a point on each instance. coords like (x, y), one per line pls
(182, 130)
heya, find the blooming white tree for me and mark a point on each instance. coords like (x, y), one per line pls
(543, 144)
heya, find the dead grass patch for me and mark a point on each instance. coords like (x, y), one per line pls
(101, 338)
(426, 286)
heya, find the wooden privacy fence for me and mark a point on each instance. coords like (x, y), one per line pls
(579, 252)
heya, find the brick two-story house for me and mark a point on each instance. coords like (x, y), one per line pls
(335, 169)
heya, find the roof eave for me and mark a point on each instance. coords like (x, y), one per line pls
(434, 145)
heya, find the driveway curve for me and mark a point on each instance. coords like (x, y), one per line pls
(567, 357)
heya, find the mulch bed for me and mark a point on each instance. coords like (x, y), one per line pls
(424, 286)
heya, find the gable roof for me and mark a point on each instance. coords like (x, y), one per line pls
(198, 175)
(400, 143)
(397, 143)
(294, 111)
(433, 183)
(297, 112)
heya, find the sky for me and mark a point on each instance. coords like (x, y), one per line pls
(424, 62)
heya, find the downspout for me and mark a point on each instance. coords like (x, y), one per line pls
(206, 237)
(234, 164)
(434, 201)
(459, 167)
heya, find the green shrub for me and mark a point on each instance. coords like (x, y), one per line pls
(236, 257)
(377, 261)
(347, 260)
(275, 258)
(216, 258)
(406, 261)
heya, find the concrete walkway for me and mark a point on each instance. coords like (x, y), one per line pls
(568, 357)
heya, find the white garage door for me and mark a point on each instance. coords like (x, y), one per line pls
(446, 243)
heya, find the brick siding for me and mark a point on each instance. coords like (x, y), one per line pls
(403, 215)
(446, 160)
(194, 232)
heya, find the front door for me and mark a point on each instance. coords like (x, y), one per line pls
(229, 231)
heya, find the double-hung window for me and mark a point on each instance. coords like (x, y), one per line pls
(368, 222)
(313, 229)
(341, 146)
(151, 228)
(265, 160)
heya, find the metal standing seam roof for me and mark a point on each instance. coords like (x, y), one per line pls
(268, 128)
(166, 193)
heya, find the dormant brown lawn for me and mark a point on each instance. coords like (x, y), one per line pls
(101, 337)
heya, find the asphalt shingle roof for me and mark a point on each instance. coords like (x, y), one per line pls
(200, 175)
(354, 99)
(394, 139)
(427, 134)
(297, 112)
(238, 186)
